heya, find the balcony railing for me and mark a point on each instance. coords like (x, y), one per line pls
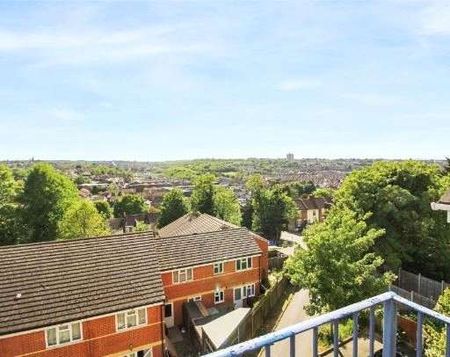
(390, 302)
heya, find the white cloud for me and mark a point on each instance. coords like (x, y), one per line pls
(98, 46)
(435, 19)
(373, 99)
(298, 84)
(66, 115)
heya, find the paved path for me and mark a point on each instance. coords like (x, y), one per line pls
(295, 314)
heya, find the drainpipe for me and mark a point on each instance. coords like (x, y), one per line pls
(161, 313)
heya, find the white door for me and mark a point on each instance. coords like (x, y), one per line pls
(168, 315)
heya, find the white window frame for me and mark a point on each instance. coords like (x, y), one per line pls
(221, 295)
(244, 291)
(220, 268)
(126, 313)
(57, 329)
(247, 261)
(176, 274)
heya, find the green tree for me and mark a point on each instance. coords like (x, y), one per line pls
(130, 204)
(104, 208)
(202, 199)
(142, 226)
(173, 206)
(323, 192)
(435, 333)
(338, 267)
(46, 196)
(82, 220)
(397, 196)
(10, 227)
(226, 205)
(272, 210)
(247, 214)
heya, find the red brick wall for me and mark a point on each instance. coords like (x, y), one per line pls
(99, 339)
(205, 283)
(264, 246)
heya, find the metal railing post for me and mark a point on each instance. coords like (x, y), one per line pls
(389, 328)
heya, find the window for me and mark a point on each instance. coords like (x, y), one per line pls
(243, 264)
(218, 268)
(131, 318)
(168, 310)
(182, 275)
(244, 291)
(218, 297)
(62, 334)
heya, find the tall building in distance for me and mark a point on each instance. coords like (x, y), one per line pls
(290, 156)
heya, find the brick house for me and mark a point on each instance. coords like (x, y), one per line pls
(310, 210)
(113, 295)
(86, 297)
(217, 268)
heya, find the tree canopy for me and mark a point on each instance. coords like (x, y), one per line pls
(202, 199)
(10, 227)
(82, 220)
(130, 204)
(435, 332)
(104, 208)
(397, 197)
(272, 210)
(338, 267)
(46, 197)
(226, 205)
(173, 206)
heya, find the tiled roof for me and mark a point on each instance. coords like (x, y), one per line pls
(194, 223)
(201, 248)
(312, 203)
(64, 281)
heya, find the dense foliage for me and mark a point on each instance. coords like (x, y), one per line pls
(271, 208)
(202, 199)
(104, 208)
(397, 197)
(435, 340)
(46, 197)
(173, 206)
(10, 227)
(338, 267)
(130, 204)
(82, 220)
(226, 205)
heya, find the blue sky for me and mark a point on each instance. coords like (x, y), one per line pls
(178, 80)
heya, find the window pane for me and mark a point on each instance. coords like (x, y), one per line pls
(182, 276)
(76, 331)
(120, 321)
(244, 264)
(237, 294)
(175, 277)
(131, 320)
(168, 310)
(64, 335)
(249, 262)
(189, 274)
(238, 265)
(141, 316)
(51, 337)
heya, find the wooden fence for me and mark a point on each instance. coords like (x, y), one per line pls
(253, 322)
(276, 263)
(419, 288)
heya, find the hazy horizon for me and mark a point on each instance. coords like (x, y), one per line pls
(158, 81)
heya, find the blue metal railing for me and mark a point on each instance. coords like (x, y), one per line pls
(389, 301)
